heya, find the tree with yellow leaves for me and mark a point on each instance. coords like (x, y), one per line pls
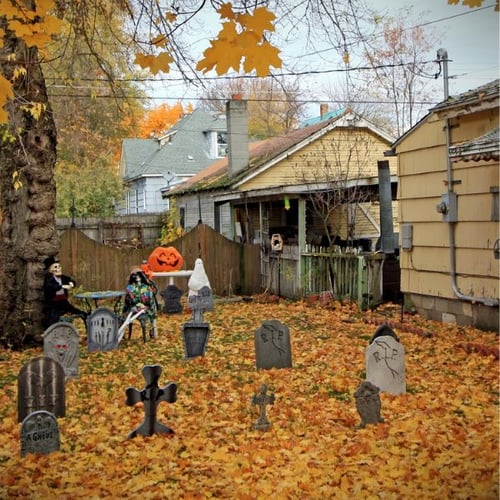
(28, 132)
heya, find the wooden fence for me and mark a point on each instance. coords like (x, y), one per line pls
(357, 278)
(130, 231)
(231, 267)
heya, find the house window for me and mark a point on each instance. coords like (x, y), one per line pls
(221, 144)
(182, 217)
(494, 204)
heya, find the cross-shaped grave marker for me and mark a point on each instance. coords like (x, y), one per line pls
(262, 399)
(151, 396)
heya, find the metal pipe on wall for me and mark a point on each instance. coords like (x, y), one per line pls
(442, 57)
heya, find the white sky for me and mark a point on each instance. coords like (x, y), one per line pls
(470, 36)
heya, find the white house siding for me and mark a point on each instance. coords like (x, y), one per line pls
(144, 197)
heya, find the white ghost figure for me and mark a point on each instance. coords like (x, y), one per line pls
(198, 279)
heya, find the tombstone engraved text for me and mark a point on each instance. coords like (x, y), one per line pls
(272, 345)
(385, 364)
(39, 433)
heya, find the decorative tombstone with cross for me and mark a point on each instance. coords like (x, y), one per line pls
(151, 396)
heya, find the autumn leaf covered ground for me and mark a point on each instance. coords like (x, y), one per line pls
(439, 440)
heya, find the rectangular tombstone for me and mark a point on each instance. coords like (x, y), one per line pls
(172, 299)
(39, 433)
(195, 339)
(60, 342)
(40, 386)
(272, 345)
(102, 330)
(385, 364)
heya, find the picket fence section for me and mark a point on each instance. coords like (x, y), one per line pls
(357, 278)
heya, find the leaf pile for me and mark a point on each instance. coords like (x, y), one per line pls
(439, 440)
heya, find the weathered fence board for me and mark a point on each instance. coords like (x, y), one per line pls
(353, 277)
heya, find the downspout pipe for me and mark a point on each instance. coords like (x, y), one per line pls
(442, 56)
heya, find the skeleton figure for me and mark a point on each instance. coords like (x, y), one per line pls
(56, 288)
(141, 295)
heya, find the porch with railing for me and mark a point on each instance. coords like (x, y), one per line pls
(357, 278)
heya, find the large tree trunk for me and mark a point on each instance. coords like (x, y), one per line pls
(27, 197)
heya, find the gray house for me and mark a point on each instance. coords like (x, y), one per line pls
(150, 166)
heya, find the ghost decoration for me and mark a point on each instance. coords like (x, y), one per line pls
(198, 279)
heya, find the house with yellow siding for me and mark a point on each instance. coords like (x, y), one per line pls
(448, 182)
(316, 189)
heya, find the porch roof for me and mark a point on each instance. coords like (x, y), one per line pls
(297, 190)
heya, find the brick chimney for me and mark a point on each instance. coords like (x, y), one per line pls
(323, 109)
(237, 131)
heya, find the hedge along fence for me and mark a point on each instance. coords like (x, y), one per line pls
(232, 268)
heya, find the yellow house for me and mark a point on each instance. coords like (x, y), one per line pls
(315, 187)
(449, 210)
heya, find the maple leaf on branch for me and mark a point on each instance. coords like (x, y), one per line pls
(155, 64)
(261, 58)
(242, 37)
(262, 20)
(226, 11)
(6, 93)
(219, 58)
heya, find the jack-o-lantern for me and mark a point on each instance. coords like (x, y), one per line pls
(165, 259)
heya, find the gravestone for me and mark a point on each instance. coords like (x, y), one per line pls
(368, 403)
(60, 342)
(262, 399)
(39, 433)
(196, 332)
(272, 345)
(172, 299)
(195, 337)
(103, 330)
(40, 386)
(385, 364)
(200, 303)
(151, 396)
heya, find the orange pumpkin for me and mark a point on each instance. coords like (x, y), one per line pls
(165, 259)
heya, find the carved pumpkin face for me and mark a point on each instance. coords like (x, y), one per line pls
(165, 259)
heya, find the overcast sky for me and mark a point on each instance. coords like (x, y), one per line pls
(470, 36)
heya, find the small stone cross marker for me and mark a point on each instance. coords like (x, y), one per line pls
(151, 396)
(262, 399)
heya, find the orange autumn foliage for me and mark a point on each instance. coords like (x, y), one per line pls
(161, 118)
(439, 440)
